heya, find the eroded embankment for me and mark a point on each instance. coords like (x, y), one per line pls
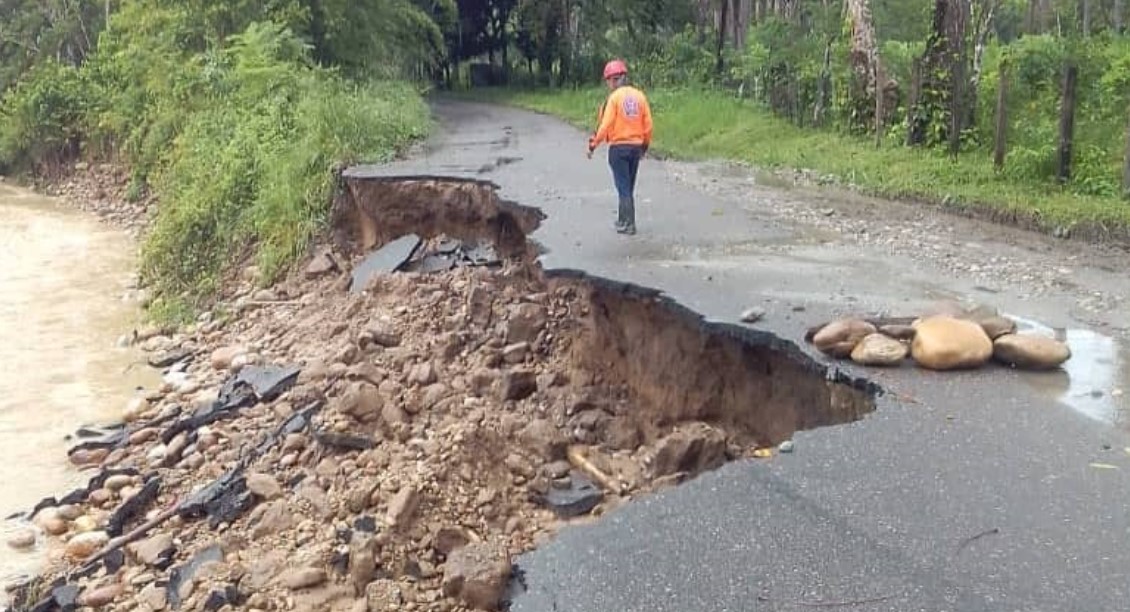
(391, 448)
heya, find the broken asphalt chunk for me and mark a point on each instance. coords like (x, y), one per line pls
(389, 258)
(183, 574)
(268, 382)
(344, 441)
(133, 507)
(579, 498)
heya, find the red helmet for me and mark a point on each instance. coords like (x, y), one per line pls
(615, 68)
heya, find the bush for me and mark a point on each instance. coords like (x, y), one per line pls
(254, 170)
(41, 118)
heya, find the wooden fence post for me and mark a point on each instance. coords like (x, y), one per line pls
(1000, 137)
(1067, 123)
(912, 102)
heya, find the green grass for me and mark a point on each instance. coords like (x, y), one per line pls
(700, 125)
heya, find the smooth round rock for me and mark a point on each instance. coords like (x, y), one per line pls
(839, 338)
(84, 524)
(945, 343)
(102, 596)
(787, 446)
(879, 350)
(22, 540)
(1030, 352)
(85, 544)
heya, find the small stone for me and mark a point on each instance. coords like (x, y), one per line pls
(117, 482)
(402, 507)
(423, 375)
(322, 263)
(518, 384)
(384, 595)
(153, 550)
(22, 540)
(362, 401)
(516, 353)
(54, 525)
(303, 578)
(787, 446)
(449, 539)
(753, 315)
(622, 434)
(384, 335)
(84, 457)
(153, 596)
(691, 448)
(362, 561)
(477, 574)
(526, 321)
(84, 524)
(277, 518)
(102, 596)
(222, 358)
(264, 486)
(557, 469)
(135, 409)
(541, 436)
(70, 512)
(85, 544)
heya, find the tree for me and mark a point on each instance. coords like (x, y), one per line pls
(942, 67)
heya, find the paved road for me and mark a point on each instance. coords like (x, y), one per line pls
(875, 515)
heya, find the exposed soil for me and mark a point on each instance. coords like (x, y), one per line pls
(440, 424)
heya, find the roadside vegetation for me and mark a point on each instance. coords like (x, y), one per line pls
(794, 83)
(233, 115)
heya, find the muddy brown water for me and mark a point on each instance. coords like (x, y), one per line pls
(64, 301)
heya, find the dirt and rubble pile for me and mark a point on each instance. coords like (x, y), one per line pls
(317, 449)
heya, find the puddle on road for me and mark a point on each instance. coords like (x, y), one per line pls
(1095, 379)
(61, 311)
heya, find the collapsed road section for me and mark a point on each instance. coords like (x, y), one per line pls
(385, 429)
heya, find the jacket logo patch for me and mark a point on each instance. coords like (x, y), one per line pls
(630, 106)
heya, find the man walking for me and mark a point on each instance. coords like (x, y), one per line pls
(625, 124)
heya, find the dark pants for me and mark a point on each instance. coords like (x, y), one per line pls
(625, 163)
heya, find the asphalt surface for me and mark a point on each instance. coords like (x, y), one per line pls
(961, 492)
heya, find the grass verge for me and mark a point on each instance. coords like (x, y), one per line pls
(696, 124)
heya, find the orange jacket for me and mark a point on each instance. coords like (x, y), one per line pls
(625, 118)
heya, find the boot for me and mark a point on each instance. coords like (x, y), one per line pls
(627, 223)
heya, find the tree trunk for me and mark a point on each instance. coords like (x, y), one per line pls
(1117, 17)
(719, 61)
(1067, 124)
(984, 29)
(944, 55)
(1085, 9)
(823, 93)
(1000, 135)
(864, 57)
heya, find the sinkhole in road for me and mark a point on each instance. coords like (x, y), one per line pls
(701, 392)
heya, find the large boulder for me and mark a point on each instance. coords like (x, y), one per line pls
(1030, 352)
(879, 350)
(839, 338)
(945, 343)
